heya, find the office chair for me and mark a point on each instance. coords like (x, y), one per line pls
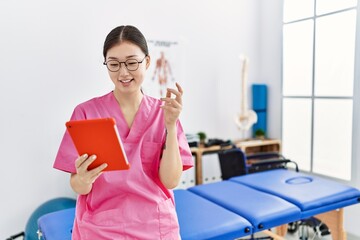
(234, 162)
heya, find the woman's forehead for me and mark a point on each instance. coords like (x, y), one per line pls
(125, 49)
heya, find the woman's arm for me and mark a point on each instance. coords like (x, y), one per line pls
(170, 169)
(171, 165)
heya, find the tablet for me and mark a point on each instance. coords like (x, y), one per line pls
(99, 137)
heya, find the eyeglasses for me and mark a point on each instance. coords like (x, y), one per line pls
(130, 64)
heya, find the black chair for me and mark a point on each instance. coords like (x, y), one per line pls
(234, 162)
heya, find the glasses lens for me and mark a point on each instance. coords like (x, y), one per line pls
(131, 64)
(113, 65)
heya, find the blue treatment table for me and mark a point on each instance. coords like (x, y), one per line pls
(56, 225)
(315, 196)
(243, 205)
(262, 210)
(195, 213)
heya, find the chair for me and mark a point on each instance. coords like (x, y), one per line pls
(234, 162)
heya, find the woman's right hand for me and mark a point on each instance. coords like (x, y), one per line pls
(81, 181)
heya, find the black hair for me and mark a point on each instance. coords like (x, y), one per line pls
(125, 33)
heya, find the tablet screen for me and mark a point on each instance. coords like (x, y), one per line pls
(99, 137)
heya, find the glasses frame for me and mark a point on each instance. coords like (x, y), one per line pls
(126, 66)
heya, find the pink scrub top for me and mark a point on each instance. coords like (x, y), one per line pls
(128, 204)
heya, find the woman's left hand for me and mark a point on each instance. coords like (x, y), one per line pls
(172, 106)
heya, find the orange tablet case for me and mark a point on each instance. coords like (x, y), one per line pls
(99, 137)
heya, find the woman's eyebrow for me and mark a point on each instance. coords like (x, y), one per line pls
(127, 57)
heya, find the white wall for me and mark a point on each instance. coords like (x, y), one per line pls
(51, 59)
(352, 214)
(271, 61)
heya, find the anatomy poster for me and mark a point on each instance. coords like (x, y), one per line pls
(164, 68)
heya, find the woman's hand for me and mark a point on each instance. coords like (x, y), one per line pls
(82, 180)
(172, 106)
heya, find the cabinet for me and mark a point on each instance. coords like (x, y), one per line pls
(248, 146)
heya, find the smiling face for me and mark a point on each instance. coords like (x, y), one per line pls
(126, 81)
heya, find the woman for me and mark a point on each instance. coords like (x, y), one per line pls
(137, 203)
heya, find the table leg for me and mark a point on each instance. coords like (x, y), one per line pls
(335, 222)
(198, 168)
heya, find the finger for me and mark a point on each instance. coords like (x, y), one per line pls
(80, 160)
(168, 94)
(96, 171)
(180, 89)
(87, 163)
(172, 102)
(173, 91)
(173, 108)
(93, 179)
(177, 94)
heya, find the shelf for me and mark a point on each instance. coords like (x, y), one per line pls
(248, 146)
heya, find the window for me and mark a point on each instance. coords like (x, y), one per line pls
(318, 84)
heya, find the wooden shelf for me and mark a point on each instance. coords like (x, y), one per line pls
(248, 146)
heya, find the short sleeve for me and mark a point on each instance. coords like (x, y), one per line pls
(185, 152)
(67, 154)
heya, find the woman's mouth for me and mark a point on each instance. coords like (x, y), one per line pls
(126, 81)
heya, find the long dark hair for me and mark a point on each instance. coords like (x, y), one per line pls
(125, 33)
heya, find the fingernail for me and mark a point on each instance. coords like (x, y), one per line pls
(93, 156)
(85, 155)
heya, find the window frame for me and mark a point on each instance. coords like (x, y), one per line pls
(355, 96)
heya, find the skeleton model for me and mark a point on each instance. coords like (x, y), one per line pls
(247, 117)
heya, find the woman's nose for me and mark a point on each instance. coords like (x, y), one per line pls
(123, 70)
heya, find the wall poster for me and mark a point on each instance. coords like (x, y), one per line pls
(164, 68)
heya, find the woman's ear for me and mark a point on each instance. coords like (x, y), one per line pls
(148, 61)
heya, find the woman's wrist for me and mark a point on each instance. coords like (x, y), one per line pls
(171, 129)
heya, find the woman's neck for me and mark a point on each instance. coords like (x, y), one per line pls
(131, 100)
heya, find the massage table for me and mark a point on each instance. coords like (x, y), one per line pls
(56, 225)
(315, 196)
(243, 206)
